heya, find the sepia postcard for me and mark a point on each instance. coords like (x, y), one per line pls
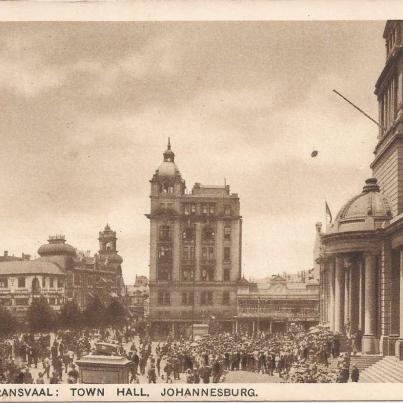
(201, 201)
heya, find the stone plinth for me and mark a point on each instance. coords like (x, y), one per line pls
(104, 369)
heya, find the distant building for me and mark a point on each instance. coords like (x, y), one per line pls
(10, 258)
(271, 305)
(62, 273)
(141, 281)
(195, 251)
(22, 281)
(137, 296)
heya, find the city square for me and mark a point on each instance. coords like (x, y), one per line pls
(251, 280)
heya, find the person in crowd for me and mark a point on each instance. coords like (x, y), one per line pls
(151, 374)
(73, 375)
(54, 378)
(27, 378)
(40, 379)
(355, 374)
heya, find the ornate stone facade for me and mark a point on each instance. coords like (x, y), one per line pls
(195, 251)
(361, 263)
(62, 273)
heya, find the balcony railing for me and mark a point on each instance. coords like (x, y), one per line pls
(219, 314)
(309, 314)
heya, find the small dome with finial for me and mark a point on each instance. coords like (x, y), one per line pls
(168, 167)
(369, 210)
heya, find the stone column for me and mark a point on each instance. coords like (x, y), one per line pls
(399, 343)
(339, 295)
(370, 343)
(330, 285)
(361, 295)
(395, 297)
(346, 293)
(321, 293)
(354, 296)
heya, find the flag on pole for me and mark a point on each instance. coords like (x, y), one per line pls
(328, 214)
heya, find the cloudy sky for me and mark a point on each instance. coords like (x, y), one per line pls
(86, 109)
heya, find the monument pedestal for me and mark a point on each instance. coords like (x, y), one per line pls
(104, 369)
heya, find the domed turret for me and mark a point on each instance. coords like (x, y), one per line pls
(367, 211)
(168, 167)
(107, 246)
(56, 246)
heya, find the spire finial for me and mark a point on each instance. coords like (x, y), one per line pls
(168, 153)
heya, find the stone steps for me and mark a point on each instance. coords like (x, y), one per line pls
(364, 361)
(389, 369)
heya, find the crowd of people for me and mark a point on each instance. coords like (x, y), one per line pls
(301, 356)
(53, 353)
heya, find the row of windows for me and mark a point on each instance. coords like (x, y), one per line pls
(188, 253)
(388, 105)
(197, 208)
(204, 209)
(206, 298)
(208, 234)
(21, 282)
(165, 274)
(25, 301)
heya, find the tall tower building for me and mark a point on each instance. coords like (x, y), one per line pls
(388, 163)
(195, 252)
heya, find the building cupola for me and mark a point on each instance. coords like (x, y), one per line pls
(169, 155)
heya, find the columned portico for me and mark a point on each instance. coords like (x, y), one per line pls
(346, 294)
(358, 284)
(352, 297)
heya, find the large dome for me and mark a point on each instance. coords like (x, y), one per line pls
(368, 211)
(57, 246)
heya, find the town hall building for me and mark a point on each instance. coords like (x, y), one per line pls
(361, 263)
